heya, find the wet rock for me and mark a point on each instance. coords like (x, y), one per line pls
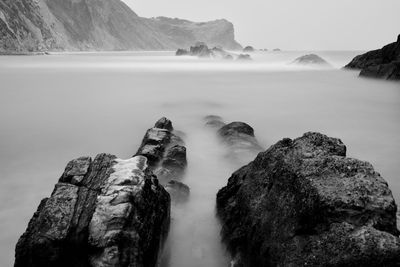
(178, 191)
(165, 150)
(382, 63)
(304, 203)
(244, 57)
(117, 215)
(248, 49)
(311, 60)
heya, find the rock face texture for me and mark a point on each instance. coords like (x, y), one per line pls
(312, 60)
(304, 203)
(382, 63)
(102, 212)
(238, 137)
(165, 150)
(58, 25)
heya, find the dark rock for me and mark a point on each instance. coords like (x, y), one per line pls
(311, 60)
(164, 123)
(165, 151)
(117, 215)
(244, 57)
(178, 191)
(303, 203)
(382, 63)
(238, 137)
(277, 50)
(248, 49)
(182, 52)
(228, 57)
(201, 50)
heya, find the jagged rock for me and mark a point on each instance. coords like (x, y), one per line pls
(304, 203)
(54, 25)
(382, 63)
(178, 191)
(244, 57)
(165, 151)
(311, 60)
(248, 49)
(115, 215)
(201, 50)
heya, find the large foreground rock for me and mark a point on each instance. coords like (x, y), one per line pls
(382, 63)
(102, 212)
(304, 203)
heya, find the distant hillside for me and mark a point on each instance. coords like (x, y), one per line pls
(85, 25)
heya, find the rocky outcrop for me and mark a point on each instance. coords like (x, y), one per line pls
(244, 57)
(102, 212)
(238, 137)
(86, 25)
(304, 203)
(311, 60)
(382, 63)
(165, 151)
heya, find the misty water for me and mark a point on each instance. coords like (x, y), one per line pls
(59, 107)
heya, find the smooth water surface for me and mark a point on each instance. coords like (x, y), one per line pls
(59, 107)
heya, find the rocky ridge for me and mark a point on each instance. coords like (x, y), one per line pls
(302, 202)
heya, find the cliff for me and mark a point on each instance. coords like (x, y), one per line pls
(90, 25)
(381, 63)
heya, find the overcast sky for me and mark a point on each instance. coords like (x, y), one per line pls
(291, 24)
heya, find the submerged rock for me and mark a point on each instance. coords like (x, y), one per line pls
(382, 63)
(102, 212)
(238, 137)
(178, 191)
(304, 203)
(311, 60)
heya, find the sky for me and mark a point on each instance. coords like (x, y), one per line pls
(291, 24)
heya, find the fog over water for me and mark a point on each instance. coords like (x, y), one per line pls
(59, 107)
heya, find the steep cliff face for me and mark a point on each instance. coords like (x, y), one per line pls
(42, 25)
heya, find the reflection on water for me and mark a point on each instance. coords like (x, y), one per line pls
(55, 108)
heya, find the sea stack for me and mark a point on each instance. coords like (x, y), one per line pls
(302, 202)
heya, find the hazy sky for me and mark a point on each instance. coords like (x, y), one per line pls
(291, 24)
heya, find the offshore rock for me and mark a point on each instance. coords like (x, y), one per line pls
(304, 203)
(102, 212)
(248, 49)
(312, 60)
(382, 63)
(238, 137)
(244, 57)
